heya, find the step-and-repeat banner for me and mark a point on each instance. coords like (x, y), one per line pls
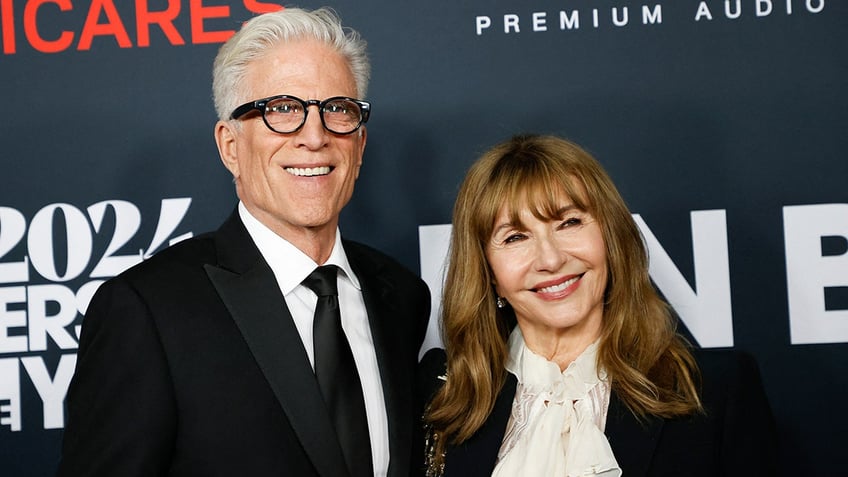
(723, 122)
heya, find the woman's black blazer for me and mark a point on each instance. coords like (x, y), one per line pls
(735, 436)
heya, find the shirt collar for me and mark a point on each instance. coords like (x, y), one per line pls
(289, 264)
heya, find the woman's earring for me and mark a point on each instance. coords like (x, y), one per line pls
(500, 302)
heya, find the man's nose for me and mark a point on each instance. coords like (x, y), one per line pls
(313, 134)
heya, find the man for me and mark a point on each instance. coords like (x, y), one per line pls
(203, 360)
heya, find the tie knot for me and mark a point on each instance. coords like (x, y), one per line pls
(322, 280)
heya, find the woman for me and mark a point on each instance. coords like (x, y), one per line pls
(594, 379)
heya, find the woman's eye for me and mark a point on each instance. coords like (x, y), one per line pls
(513, 238)
(571, 222)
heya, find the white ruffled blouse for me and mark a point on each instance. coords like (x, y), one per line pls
(557, 420)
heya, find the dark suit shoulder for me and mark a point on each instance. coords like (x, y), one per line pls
(173, 283)
(397, 282)
(190, 253)
(376, 260)
(178, 267)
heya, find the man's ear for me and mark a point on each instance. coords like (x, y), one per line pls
(225, 138)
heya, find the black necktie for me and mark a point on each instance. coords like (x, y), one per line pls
(336, 372)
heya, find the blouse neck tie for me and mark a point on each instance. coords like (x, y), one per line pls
(555, 428)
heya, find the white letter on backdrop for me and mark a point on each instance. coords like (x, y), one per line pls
(808, 273)
(706, 311)
(482, 24)
(433, 243)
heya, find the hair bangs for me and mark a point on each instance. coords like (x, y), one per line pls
(532, 181)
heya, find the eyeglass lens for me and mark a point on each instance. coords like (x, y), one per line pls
(340, 116)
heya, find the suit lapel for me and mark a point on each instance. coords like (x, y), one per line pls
(249, 290)
(380, 297)
(633, 442)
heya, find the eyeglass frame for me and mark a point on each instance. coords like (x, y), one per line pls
(260, 105)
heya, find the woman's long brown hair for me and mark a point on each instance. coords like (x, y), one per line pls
(649, 364)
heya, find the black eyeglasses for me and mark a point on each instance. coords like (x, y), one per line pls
(286, 114)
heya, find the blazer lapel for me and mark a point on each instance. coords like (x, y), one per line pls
(633, 442)
(478, 455)
(249, 290)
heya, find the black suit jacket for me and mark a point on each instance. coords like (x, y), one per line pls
(734, 437)
(190, 365)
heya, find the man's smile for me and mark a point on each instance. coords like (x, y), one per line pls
(308, 171)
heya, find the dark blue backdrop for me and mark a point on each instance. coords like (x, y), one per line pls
(736, 106)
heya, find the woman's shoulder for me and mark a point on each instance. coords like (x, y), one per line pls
(736, 407)
(727, 369)
(733, 392)
(431, 367)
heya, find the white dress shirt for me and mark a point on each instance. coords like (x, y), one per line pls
(291, 266)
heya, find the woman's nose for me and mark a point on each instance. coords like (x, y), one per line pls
(549, 254)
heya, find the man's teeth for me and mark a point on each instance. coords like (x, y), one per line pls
(308, 171)
(562, 286)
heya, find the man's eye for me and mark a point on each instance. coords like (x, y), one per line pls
(283, 108)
